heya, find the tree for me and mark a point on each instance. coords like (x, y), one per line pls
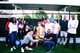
(27, 17)
(39, 14)
(79, 17)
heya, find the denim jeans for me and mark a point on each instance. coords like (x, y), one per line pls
(13, 37)
(49, 44)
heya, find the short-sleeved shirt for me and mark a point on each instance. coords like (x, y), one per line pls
(64, 25)
(56, 26)
(49, 35)
(12, 27)
(48, 26)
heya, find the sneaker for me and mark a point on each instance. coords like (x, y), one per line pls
(30, 49)
(52, 47)
(22, 50)
(14, 47)
(64, 43)
(49, 51)
(6, 45)
(61, 43)
(11, 49)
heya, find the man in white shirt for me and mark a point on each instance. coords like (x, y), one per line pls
(56, 27)
(72, 30)
(56, 30)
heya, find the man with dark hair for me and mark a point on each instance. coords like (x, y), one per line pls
(49, 41)
(72, 30)
(64, 28)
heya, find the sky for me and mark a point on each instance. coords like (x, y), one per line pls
(60, 2)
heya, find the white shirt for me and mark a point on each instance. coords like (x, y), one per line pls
(56, 28)
(20, 26)
(72, 26)
(12, 27)
(48, 26)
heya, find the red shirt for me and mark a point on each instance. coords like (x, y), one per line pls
(7, 24)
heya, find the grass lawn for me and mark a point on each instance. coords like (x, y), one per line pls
(41, 49)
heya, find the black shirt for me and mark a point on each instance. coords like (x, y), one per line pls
(64, 25)
(47, 36)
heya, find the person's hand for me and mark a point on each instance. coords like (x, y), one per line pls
(37, 40)
(41, 39)
(44, 39)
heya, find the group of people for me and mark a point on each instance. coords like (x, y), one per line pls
(47, 32)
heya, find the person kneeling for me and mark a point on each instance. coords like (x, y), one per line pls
(26, 42)
(49, 41)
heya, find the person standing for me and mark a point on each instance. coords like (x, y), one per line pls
(72, 30)
(48, 25)
(56, 30)
(7, 31)
(63, 33)
(13, 29)
(52, 18)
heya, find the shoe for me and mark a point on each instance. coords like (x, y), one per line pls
(52, 47)
(14, 47)
(22, 50)
(6, 45)
(64, 43)
(49, 51)
(11, 49)
(30, 49)
(61, 43)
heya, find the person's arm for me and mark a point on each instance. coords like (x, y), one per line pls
(31, 39)
(69, 24)
(49, 38)
(9, 27)
(52, 27)
(76, 24)
(58, 29)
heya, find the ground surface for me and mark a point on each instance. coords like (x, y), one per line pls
(41, 49)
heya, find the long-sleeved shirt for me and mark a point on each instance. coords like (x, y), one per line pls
(27, 39)
(72, 26)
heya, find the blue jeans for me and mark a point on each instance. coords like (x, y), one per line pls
(49, 44)
(13, 37)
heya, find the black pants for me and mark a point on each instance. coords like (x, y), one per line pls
(55, 38)
(24, 45)
(74, 39)
(7, 36)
